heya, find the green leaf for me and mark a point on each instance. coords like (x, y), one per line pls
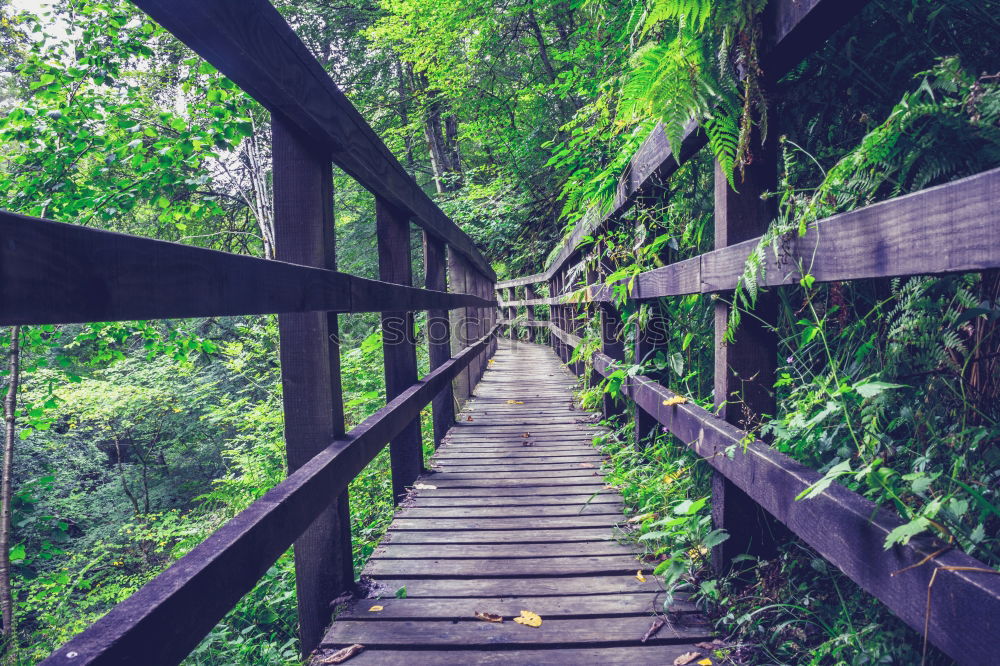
(906, 531)
(17, 553)
(840, 469)
(872, 389)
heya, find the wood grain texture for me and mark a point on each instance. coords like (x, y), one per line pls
(249, 41)
(399, 349)
(843, 527)
(310, 374)
(168, 616)
(57, 273)
(509, 529)
(438, 334)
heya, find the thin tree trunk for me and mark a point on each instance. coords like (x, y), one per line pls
(6, 482)
(121, 475)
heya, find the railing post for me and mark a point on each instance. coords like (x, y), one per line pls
(438, 334)
(744, 369)
(458, 275)
(511, 312)
(529, 294)
(646, 342)
(399, 349)
(310, 372)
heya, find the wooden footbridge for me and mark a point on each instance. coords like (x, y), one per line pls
(512, 514)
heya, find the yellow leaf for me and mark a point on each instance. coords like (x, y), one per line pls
(376, 609)
(515, 402)
(639, 577)
(705, 662)
(529, 619)
(489, 617)
(676, 400)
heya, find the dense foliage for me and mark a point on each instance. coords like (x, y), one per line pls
(138, 439)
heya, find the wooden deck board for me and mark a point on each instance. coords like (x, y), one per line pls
(500, 527)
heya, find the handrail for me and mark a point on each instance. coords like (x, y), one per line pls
(55, 273)
(842, 526)
(167, 617)
(52, 272)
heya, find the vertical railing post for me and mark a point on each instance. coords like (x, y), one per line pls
(310, 372)
(511, 313)
(646, 341)
(612, 343)
(438, 334)
(457, 281)
(744, 369)
(399, 348)
(529, 311)
(476, 367)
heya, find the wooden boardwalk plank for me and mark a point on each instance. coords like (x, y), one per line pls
(500, 527)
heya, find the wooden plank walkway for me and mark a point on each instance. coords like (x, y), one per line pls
(507, 527)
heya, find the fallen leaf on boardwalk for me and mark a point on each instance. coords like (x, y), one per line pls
(714, 645)
(529, 619)
(653, 628)
(586, 464)
(686, 658)
(705, 662)
(515, 402)
(525, 434)
(424, 486)
(469, 418)
(676, 400)
(489, 617)
(639, 577)
(376, 609)
(340, 656)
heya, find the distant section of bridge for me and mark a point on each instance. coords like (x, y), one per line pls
(514, 515)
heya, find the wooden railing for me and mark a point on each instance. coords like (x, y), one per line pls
(946, 229)
(53, 273)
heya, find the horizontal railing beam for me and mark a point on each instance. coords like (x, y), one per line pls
(845, 528)
(949, 228)
(56, 273)
(167, 617)
(249, 41)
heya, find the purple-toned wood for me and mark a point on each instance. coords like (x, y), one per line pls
(310, 373)
(438, 334)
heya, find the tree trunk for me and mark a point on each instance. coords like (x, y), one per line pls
(404, 117)
(6, 482)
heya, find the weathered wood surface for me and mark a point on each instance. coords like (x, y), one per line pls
(310, 373)
(57, 273)
(501, 527)
(845, 528)
(166, 618)
(949, 228)
(249, 41)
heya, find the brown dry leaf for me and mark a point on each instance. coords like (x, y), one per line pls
(653, 629)
(376, 609)
(529, 619)
(714, 645)
(586, 464)
(676, 400)
(424, 486)
(686, 658)
(639, 577)
(488, 617)
(468, 418)
(340, 656)
(525, 434)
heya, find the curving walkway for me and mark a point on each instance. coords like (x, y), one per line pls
(513, 515)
